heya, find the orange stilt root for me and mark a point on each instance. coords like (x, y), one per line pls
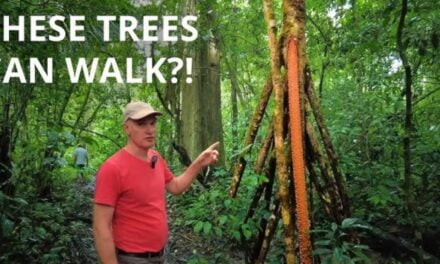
(296, 144)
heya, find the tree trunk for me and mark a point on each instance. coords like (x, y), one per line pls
(328, 146)
(262, 236)
(5, 158)
(201, 106)
(251, 133)
(282, 173)
(296, 146)
(234, 113)
(269, 231)
(266, 148)
(408, 116)
(294, 35)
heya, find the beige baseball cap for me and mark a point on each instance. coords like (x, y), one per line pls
(138, 110)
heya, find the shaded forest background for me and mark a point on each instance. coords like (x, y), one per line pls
(355, 58)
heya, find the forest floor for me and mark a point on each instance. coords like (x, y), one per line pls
(184, 246)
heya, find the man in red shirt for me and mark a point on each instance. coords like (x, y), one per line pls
(129, 214)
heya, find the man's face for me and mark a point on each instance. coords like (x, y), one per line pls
(142, 132)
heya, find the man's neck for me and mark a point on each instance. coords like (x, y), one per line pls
(141, 153)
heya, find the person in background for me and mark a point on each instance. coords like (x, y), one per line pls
(129, 215)
(81, 160)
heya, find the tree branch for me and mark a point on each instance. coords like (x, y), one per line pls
(95, 133)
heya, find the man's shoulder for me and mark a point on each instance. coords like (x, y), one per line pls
(114, 160)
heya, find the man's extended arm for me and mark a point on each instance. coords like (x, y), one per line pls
(180, 184)
(102, 230)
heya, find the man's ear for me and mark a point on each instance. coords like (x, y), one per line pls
(127, 128)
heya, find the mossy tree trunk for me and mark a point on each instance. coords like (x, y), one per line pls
(201, 99)
(281, 159)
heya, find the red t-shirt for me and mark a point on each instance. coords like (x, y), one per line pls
(137, 192)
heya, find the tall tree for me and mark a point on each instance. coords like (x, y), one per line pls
(201, 99)
(408, 114)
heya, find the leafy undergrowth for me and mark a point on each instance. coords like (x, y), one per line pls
(54, 230)
(206, 226)
(185, 246)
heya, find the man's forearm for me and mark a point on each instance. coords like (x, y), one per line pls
(105, 246)
(206, 158)
(185, 180)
